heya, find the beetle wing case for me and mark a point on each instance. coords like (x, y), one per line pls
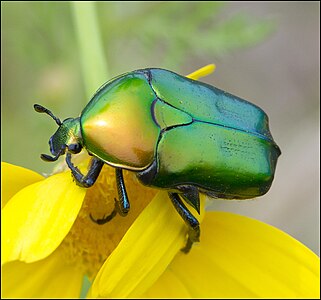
(227, 150)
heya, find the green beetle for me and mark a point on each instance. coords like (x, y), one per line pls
(175, 133)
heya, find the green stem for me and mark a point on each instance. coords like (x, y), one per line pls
(92, 56)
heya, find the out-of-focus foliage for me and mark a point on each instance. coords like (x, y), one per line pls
(41, 61)
(172, 31)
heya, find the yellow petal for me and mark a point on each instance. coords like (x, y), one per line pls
(144, 252)
(37, 218)
(48, 278)
(169, 286)
(239, 257)
(202, 72)
(14, 178)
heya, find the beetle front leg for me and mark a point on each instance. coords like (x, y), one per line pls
(190, 220)
(90, 178)
(122, 204)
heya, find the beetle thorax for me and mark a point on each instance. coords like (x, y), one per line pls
(117, 125)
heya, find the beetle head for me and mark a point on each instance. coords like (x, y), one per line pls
(66, 138)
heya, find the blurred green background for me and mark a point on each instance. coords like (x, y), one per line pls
(265, 52)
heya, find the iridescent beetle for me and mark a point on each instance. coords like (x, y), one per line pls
(175, 133)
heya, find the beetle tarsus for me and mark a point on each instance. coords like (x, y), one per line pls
(190, 220)
(104, 220)
(193, 237)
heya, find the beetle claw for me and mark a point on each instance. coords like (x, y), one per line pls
(105, 219)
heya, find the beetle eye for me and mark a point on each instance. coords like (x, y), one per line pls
(74, 148)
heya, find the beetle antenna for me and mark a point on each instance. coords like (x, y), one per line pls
(40, 109)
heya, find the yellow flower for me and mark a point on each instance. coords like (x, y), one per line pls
(49, 243)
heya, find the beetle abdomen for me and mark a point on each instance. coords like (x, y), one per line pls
(227, 162)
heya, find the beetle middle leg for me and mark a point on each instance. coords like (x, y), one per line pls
(190, 220)
(122, 204)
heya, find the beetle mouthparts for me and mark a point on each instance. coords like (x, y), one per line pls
(46, 157)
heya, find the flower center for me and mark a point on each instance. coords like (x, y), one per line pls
(88, 244)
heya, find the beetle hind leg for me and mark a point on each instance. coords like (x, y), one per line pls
(190, 220)
(191, 195)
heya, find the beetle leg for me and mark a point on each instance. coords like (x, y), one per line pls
(190, 220)
(122, 204)
(190, 194)
(92, 175)
(104, 220)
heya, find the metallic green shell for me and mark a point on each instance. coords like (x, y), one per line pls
(207, 103)
(227, 151)
(176, 131)
(122, 123)
(227, 162)
(117, 125)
